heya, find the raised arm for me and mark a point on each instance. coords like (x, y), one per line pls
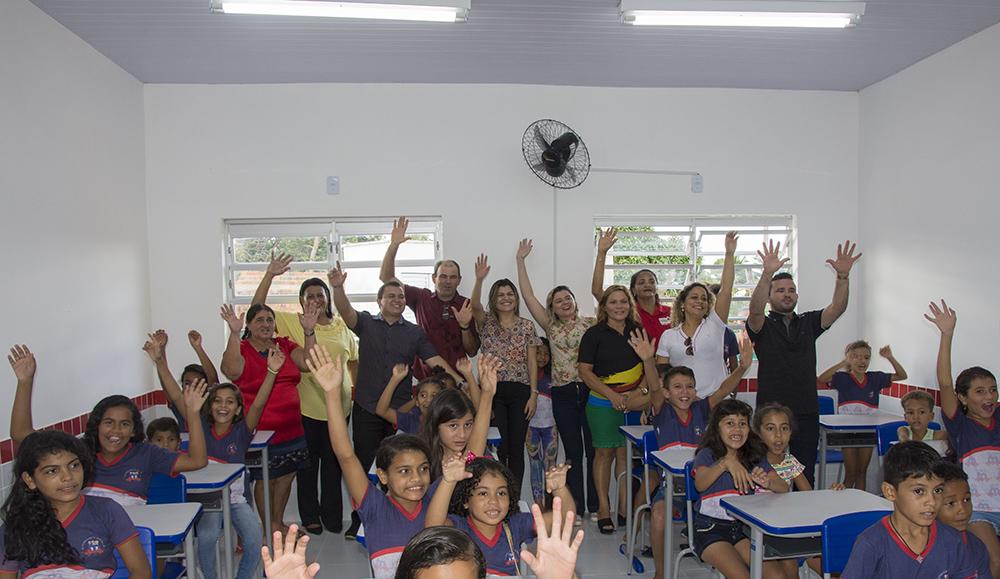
(22, 361)
(275, 360)
(604, 244)
(279, 264)
(452, 471)
(827, 376)
(382, 408)
(841, 290)
(396, 238)
(536, 308)
(211, 374)
(470, 339)
(758, 299)
(197, 454)
(329, 374)
(733, 380)
(337, 277)
(555, 485)
(488, 366)
(898, 372)
(646, 351)
(725, 297)
(944, 318)
(232, 359)
(464, 367)
(482, 270)
(308, 321)
(555, 556)
(154, 348)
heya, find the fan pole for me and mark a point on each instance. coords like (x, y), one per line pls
(555, 234)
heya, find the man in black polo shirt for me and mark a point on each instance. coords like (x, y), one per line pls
(785, 343)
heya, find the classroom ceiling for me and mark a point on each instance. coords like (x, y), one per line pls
(551, 42)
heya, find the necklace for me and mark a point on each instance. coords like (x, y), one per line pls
(920, 557)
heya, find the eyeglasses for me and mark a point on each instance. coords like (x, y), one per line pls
(690, 346)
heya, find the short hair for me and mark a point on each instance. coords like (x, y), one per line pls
(919, 395)
(396, 444)
(964, 379)
(782, 275)
(165, 424)
(392, 283)
(195, 369)
(435, 546)
(910, 459)
(858, 345)
(441, 262)
(949, 471)
(677, 371)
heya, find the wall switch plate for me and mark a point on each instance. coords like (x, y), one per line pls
(333, 185)
(697, 184)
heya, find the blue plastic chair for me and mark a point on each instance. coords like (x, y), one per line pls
(146, 540)
(839, 534)
(888, 434)
(165, 489)
(691, 495)
(641, 473)
(826, 406)
(633, 418)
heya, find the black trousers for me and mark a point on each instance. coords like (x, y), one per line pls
(805, 443)
(318, 485)
(569, 405)
(508, 410)
(368, 431)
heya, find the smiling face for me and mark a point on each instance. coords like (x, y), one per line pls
(225, 406)
(426, 394)
(446, 280)
(408, 476)
(681, 391)
(393, 301)
(783, 296)
(58, 477)
(617, 306)
(858, 360)
(775, 431)
(696, 303)
(956, 504)
(542, 356)
(916, 500)
(490, 500)
(262, 325)
(455, 433)
(644, 286)
(734, 429)
(981, 399)
(504, 299)
(314, 296)
(918, 414)
(563, 305)
(115, 430)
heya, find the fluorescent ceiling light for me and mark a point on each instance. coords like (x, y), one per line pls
(424, 10)
(743, 13)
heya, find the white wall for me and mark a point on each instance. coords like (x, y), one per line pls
(930, 138)
(73, 222)
(216, 152)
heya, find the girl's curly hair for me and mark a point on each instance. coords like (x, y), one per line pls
(97, 414)
(32, 533)
(479, 467)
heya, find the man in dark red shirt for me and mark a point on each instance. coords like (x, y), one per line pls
(437, 312)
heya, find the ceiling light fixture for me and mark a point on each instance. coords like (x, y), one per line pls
(743, 13)
(422, 10)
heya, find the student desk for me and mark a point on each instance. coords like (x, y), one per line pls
(214, 478)
(172, 524)
(794, 515)
(672, 460)
(846, 423)
(261, 439)
(633, 436)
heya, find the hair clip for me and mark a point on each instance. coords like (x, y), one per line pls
(470, 457)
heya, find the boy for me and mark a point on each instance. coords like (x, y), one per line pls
(165, 433)
(909, 542)
(956, 509)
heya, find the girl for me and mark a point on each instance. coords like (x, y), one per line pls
(114, 433)
(858, 393)
(477, 498)
(918, 410)
(52, 530)
(409, 418)
(402, 465)
(730, 460)
(968, 406)
(543, 437)
(204, 370)
(511, 338)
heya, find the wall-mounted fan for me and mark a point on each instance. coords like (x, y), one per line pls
(555, 153)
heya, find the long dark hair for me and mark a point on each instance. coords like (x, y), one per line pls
(32, 533)
(964, 381)
(635, 278)
(752, 451)
(315, 281)
(251, 314)
(97, 414)
(479, 467)
(448, 405)
(206, 408)
(495, 288)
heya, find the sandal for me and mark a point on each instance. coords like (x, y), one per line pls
(605, 526)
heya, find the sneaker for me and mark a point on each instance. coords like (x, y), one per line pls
(352, 532)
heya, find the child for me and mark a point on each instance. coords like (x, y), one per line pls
(408, 418)
(51, 528)
(967, 406)
(730, 460)
(156, 348)
(165, 433)
(918, 410)
(858, 393)
(115, 435)
(403, 467)
(956, 508)
(543, 437)
(479, 500)
(909, 542)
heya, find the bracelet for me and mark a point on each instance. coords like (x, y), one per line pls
(310, 335)
(270, 371)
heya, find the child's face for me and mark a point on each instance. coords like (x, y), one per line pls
(681, 392)
(956, 505)
(490, 499)
(981, 400)
(115, 429)
(58, 477)
(225, 406)
(916, 499)
(455, 433)
(734, 430)
(917, 414)
(166, 439)
(426, 395)
(859, 359)
(542, 355)
(457, 569)
(775, 431)
(188, 378)
(408, 476)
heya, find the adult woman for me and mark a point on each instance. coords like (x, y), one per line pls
(324, 508)
(697, 338)
(245, 364)
(654, 316)
(510, 338)
(616, 357)
(561, 320)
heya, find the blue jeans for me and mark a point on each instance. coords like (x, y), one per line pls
(249, 529)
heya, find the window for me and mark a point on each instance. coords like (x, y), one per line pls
(680, 250)
(315, 246)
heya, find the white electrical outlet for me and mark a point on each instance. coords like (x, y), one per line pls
(697, 184)
(333, 185)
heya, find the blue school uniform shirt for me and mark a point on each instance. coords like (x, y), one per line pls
(978, 553)
(672, 431)
(501, 556)
(95, 529)
(409, 422)
(126, 479)
(389, 527)
(880, 553)
(710, 502)
(855, 397)
(229, 447)
(978, 449)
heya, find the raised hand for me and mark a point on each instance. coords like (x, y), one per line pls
(289, 561)
(885, 351)
(555, 477)
(488, 367)
(943, 317)
(523, 248)
(464, 315)
(398, 234)
(235, 322)
(556, 551)
(309, 318)
(327, 371)
(336, 276)
(845, 258)
(279, 264)
(770, 259)
(464, 366)
(453, 470)
(482, 266)
(606, 240)
(195, 395)
(161, 337)
(153, 348)
(275, 359)
(194, 338)
(22, 361)
(746, 350)
(399, 371)
(732, 239)
(642, 345)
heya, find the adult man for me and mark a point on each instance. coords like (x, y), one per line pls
(785, 343)
(437, 312)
